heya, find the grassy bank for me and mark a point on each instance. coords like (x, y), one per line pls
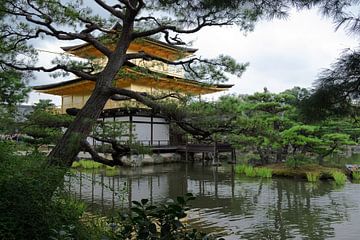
(311, 172)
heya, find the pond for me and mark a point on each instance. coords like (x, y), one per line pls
(228, 205)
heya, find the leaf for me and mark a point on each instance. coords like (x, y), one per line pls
(181, 200)
(144, 201)
(150, 208)
(137, 203)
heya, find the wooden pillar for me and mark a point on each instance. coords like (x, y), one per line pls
(80, 190)
(234, 154)
(130, 128)
(216, 157)
(152, 130)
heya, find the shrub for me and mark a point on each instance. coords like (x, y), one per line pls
(29, 209)
(356, 175)
(312, 176)
(339, 177)
(264, 172)
(162, 221)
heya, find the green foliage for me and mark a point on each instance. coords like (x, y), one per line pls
(336, 89)
(312, 176)
(297, 160)
(8, 124)
(213, 70)
(270, 126)
(43, 126)
(356, 175)
(250, 171)
(240, 169)
(13, 89)
(28, 207)
(162, 221)
(264, 172)
(87, 164)
(339, 177)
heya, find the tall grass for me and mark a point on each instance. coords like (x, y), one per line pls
(312, 176)
(240, 169)
(250, 171)
(339, 177)
(264, 172)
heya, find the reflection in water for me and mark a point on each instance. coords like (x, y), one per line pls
(231, 206)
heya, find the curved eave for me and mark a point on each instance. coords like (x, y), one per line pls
(148, 45)
(154, 80)
(72, 87)
(167, 82)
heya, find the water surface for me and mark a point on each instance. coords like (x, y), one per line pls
(231, 206)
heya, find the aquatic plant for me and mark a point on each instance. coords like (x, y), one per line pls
(339, 177)
(240, 169)
(250, 171)
(110, 167)
(312, 176)
(264, 172)
(356, 175)
(75, 164)
(87, 164)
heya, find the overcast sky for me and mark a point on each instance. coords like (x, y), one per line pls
(282, 53)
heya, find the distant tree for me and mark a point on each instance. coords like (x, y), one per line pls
(308, 139)
(271, 126)
(44, 126)
(337, 90)
(13, 89)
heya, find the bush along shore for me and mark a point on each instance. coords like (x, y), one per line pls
(311, 172)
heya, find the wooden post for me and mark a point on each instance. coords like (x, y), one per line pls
(216, 158)
(186, 152)
(233, 156)
(234, 152)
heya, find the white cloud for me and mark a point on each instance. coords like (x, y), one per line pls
(281, 53)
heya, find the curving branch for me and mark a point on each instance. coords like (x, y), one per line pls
(118, 97)
(111, 9)
(44, 23)
(79, 73)
(85, 145)
(208, 19)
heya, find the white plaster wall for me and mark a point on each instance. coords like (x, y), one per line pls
(142, 132)
(161, 133)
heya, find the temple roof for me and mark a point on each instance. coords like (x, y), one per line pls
(146, 44)
(135, 76)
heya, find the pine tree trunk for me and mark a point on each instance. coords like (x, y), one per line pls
(68, 147)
